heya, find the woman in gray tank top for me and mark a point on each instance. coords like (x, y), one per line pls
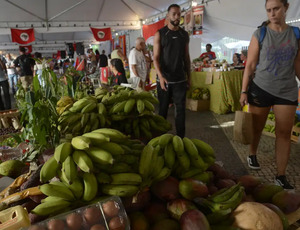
(275, 61)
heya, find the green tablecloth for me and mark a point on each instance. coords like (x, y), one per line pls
(224, 91)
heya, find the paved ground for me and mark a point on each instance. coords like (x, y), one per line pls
(217, 130)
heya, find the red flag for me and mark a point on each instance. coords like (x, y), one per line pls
(150, 30)
(28, 49)
(101, 34)
(22, 36)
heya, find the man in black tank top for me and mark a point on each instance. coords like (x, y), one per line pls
(172, 64)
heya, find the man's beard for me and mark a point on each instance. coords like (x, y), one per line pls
(175, 22)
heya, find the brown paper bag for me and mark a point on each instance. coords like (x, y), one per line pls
(243, 130)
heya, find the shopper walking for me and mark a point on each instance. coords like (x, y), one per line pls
(172, 64)
(11, 73)
(275, 61)
(5, 87)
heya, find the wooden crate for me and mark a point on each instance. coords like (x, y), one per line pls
(294, 137)
(269, 122)
(294, 220)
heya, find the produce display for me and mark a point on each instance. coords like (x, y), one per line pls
(199, 94)
(122, 108)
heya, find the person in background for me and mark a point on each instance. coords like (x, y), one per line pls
(38, 67)
(118, 53)
(4, 85)
(208, 55)
(275, 62)
(137, 64)
(236, 58)
(92, 57)
(24, 65)
(11, 73)
(244, 54)
(118, 72)
(103, 59)
(173, 65)
(97, 56)
(108, 60)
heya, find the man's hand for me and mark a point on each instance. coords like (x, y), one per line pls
(163, 82)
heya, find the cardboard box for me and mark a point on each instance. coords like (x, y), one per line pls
(197, 105)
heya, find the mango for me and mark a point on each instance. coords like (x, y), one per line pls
(287, 201)
(191, 188)
(263, 193)
(11, 168)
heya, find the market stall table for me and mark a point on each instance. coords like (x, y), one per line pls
(224, 90)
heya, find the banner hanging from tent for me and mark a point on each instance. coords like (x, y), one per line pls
(101, 35)
(28, 49)
(198, 19)
(150, 30)
(22, 36)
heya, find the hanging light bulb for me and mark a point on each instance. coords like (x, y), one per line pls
(194, 3)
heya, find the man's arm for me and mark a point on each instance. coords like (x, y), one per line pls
(124, 58)
(3, 66)
(187, 62)
(156, 58)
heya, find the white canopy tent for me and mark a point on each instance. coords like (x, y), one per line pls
(59, 21)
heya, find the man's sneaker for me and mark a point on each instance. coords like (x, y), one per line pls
(252, 162)
(282, 181)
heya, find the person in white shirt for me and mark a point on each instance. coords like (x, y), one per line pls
(137, 64)
(11, 73)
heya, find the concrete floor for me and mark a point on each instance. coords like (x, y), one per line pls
(217, 130)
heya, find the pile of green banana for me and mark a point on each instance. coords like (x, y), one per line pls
(64, 104)
(219, 206)
(104, 160)
(186, 158)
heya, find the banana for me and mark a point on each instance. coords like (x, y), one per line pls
(190, 148)
(232, 203)
(70, 169)
(53, 207)
(154, 141)
(149, 105)
(95, 125)
(103, 178)
(76, 129)
(119, 190)
(97, 139)
(129, 105)
(147, 133)
(51, 198)
(204, 149)
(144, 122)
(83, 161)
(126, 178)
(119, 107)
(136, 132)
(178, 144)
(84, 119)
(165, 172)
(170, 155)
(62, 152)
(101, 108)
(76, 187)
(87, 128)
(57, 190)
(81, 142)
(165, 139)
(127, 159)
(119, 167)
(100, 156)
(224, 194)
(90, 186)
(80, 104)
(113, 134)
(89, 107)
(113, 148)
(102, 120)
(49, 169)
(218, 216)
(191, 172)
(158, 166)
(140, 106)
(205, 177)
(184, 160)
(145, 161)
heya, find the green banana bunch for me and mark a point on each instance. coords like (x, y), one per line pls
(51, 206)
(49, 169)
(76, 187)
(57, 190)
(224, 194)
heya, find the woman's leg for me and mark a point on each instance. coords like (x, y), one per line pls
(259, 115)
(284, 120)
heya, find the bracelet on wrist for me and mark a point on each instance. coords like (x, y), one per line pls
(244, 92)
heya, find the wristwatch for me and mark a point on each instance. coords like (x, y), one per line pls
(244, 92)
